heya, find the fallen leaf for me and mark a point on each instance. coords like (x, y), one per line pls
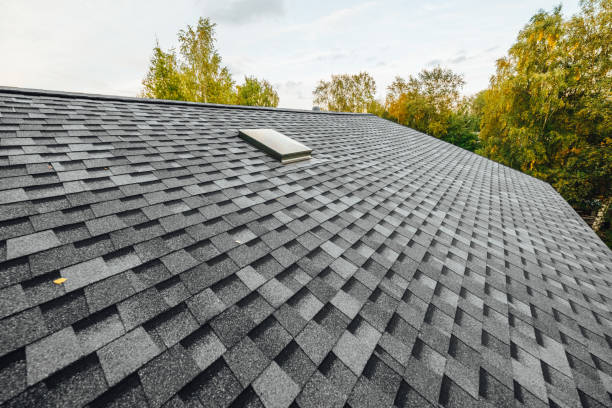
(59, 281)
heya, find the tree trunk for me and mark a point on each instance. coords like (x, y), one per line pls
(601, 214)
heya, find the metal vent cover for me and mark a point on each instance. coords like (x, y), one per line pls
(276, 144)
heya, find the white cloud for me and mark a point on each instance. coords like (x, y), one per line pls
(246, 11)
(331, 21)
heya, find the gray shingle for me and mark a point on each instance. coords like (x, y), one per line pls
(315, 341)
(173, 325)
(275, 388)
(217, 386)
(270, 337)
(15, 228)
(179, 261)
(65, 310)
(231, 325)
(250, 277)
(275, 292)
(104, 225)
(402, 257)
(126, 354)
(30, 244)
(12, 300)
(99, 330)
(346, 304)
(53, 259)
(246, 360)
(108, 292)
(173, 291)
(122, 260)
(20, 329)
(51, 353)
(204, 347)
(13, 195)
(296, 363)
(13, 272)
(352, 352)
(76, 386)
(320, 392)
(85, 273)
(13, 375)
(128, 393)
(141, 307)
(205, 305)
(163, 376)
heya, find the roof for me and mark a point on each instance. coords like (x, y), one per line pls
(390, 269)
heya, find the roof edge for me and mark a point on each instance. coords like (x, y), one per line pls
(114, 98)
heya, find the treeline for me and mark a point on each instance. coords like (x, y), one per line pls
(195, 73)
(430, 102)
(547, 111)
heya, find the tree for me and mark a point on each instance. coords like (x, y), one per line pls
(425, 102)
(254, 92)
(163, 80)
(206, 80)
(346, 93)
(377, 108)
(548, 109)
(196, 73)
(431, 103)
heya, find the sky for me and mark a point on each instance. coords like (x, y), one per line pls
(104, 47)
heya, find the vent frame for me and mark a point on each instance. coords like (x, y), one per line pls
(276, 144)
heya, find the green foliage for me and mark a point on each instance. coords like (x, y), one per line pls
(163, 80)
(461, 131)
(430, 103)
(205, 79)
(548, 110)
(256, 93)
(347, 93)
(196, 73)
(606, 230)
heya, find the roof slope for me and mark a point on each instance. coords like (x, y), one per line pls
(392, 268)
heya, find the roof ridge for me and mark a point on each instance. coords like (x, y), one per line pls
(116, 98)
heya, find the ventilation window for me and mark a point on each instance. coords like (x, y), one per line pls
(276, 144)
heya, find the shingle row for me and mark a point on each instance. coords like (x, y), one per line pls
(390, 270)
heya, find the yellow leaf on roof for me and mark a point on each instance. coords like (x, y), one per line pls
(59, 281)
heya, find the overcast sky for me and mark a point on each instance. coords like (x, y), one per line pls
(105, 46)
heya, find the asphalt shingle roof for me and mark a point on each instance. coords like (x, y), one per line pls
(390, 269)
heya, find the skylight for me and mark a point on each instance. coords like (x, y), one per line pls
(276, 144)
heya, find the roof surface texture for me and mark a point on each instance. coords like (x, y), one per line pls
(390, 269)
